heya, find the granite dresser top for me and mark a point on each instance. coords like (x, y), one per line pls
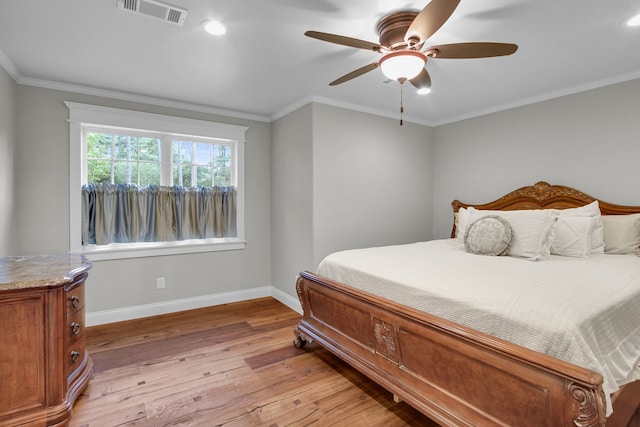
(37, 271)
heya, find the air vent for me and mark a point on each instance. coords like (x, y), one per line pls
(155, 9)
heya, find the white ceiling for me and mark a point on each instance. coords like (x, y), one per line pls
(264, 66)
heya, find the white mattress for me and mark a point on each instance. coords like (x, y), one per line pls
(583, 311)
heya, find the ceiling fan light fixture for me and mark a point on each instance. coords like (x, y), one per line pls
(634, 21)
(424, 91)
(403, 64)
(215, 28)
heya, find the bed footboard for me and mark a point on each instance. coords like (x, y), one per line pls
(455, 375)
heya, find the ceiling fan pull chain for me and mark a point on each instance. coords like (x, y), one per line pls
(401, 80)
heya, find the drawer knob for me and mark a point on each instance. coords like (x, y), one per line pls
(75, 356)
(75, 301)
(75, 328)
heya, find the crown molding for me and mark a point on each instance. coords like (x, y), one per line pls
(543, 97)
(6, 63)
(349, 106)
(125, 96)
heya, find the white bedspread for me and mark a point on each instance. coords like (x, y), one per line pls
(583, 311)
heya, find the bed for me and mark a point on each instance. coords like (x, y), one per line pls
(457, 374)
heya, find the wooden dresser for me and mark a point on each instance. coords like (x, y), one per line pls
(43, 362)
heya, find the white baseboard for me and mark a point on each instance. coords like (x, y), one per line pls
(291, 302)
(154, 309)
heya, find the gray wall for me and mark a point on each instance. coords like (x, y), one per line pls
(344, 179)
(8, 100)
(292, 198)
(589, 140)
(372, 181)
(42, 206)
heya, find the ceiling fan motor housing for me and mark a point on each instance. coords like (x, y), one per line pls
(392, 29)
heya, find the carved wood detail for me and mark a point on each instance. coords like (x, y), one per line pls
(592, 406)
(542, 191)
(385, 339)
(300, 295)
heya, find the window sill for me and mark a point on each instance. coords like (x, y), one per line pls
(151, 249)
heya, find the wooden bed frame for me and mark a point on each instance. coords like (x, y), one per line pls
(455, 375)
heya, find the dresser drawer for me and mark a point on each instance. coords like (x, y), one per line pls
(74, 328)
(74, 297)
(74, 354)
(73, 360)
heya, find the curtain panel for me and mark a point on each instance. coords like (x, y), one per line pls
(127, 213)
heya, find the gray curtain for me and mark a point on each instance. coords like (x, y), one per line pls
(127, 213)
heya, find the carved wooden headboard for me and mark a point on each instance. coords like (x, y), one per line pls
(543, 195)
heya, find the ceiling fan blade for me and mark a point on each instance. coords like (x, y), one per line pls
(422, 80)
(354, 74)
(430, 19)
(343, 40)
(472, 50)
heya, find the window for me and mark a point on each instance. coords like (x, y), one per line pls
(147, 155)
(122, 157)
(201, 164)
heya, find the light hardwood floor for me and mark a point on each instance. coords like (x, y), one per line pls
(229, 365)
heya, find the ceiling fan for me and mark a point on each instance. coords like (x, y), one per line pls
(402, 44)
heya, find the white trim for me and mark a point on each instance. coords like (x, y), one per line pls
(346, 105)
(107, 116)
(139, 311)
(291, 108)
(124, 96)
(447, 120)
(6, 63)
(540, 98)
(115, 251)
(286, 299)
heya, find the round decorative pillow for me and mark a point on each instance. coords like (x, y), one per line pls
(489, 235)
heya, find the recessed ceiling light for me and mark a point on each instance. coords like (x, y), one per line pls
(214, 27)
(634, 21)
(423, 91)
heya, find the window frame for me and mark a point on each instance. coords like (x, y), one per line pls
(85, 115)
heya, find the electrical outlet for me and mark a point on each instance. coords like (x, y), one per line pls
(160, 283)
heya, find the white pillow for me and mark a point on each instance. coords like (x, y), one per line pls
(572, 236)
(622, 234)
(531, 230)
(461, 227)
(590, 210)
